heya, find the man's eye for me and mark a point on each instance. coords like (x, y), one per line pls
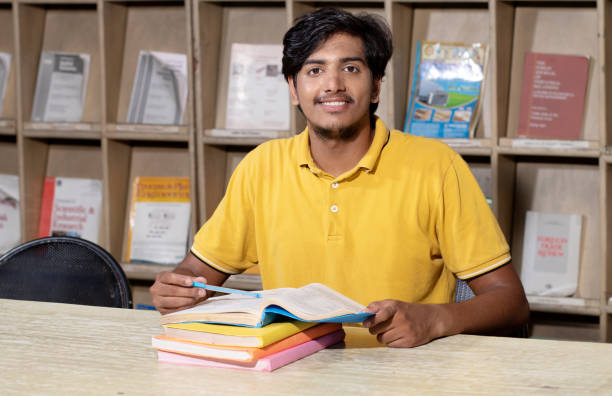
(314, 71)
(351, 69)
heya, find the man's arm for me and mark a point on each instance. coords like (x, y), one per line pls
(500, 305)
(173, 291)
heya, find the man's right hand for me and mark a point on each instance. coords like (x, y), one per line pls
(173, 291)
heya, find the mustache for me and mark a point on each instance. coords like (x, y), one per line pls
(334, 97)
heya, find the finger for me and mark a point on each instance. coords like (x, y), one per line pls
(381, 316)
(171, 304)
(166, 290)
(390, 337)
(172, 278)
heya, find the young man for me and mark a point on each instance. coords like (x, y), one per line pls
(386, 218)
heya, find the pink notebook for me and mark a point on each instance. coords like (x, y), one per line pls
(268, 363)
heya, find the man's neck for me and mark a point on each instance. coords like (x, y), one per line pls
(336, 156)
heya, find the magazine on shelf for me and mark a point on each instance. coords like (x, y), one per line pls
(159, 220)
(553, 96)
(447, 87)
(257, 94)
(5, 70)
(159, 91)
(551, 253)
(71, 207)
(10, 224)
(60, 87)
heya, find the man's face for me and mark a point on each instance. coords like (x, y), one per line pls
(334, 88)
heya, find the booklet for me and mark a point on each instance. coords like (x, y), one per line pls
(311, 303)
(5, 69)
(159, 220)
(71, 207)
(10, 223)
(445, 97)
(60, 87)
(257, 94)
(551, 253)
(159, 92)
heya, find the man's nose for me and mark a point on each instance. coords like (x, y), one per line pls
(334, 81)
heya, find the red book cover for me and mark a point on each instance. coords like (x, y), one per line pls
(552, 96)
(46, 208)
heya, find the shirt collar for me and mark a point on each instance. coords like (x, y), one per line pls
(367, 162)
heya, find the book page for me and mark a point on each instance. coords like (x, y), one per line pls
(159, 93)
(5, 69)
(257, 95)
(60, 87)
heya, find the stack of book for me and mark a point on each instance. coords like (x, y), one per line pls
(260, 332)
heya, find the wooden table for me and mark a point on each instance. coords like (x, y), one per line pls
(71, 349)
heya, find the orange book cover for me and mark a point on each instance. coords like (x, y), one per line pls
(553, 96)
(242, 354)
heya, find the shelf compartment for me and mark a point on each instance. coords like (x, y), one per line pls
(550, 148)
(56, 158)
(536, 29)
(465, 22)
(554, 185)
(130, 27)
(61, 27)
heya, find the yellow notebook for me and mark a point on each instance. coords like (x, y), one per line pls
(224, 335)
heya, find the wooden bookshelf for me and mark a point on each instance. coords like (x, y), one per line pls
(555, 176)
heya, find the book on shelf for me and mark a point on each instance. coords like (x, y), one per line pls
(257, 94)
(240, 353)
(551, 253)
(159, 91)
(553, 96)
(5, 70)
(267, 363)
(447, 88)
(10, 224)
(71, 207)
(60, 87)
(159, 218)
(311, 303)
(224, 335)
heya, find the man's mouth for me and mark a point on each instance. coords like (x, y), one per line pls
(334, 102)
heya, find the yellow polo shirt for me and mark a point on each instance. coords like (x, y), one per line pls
(401, 224)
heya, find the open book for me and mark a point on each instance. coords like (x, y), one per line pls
(311, 303)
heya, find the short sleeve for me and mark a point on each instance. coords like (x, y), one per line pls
(471, 241)
(226, 241)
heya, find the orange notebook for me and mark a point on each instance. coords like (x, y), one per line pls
(241, 354)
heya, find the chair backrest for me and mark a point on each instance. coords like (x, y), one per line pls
(64, 269)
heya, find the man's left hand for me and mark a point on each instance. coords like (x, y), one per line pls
(400, 324)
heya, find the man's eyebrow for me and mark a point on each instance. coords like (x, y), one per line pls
(342, 60)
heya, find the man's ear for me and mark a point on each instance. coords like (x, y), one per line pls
(375, 97)
(293, 91)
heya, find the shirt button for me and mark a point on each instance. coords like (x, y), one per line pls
(334, 208)
(334, 185)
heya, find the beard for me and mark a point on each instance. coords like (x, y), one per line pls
(343, 133)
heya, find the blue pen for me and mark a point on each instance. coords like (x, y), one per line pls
(226, 290)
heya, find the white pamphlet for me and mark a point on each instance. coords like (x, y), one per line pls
(60, 87)
(5, 69)
(257, 94)
(10, 225)
(71, 207)
(159, 92)
(551, 253)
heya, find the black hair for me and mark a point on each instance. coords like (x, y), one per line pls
(313, 29)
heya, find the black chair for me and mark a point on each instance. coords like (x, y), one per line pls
(65, 270)
(463, 292)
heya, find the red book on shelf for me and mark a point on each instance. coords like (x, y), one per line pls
(552, 96)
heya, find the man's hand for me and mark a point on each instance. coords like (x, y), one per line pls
(172, 291)
(400, 324)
